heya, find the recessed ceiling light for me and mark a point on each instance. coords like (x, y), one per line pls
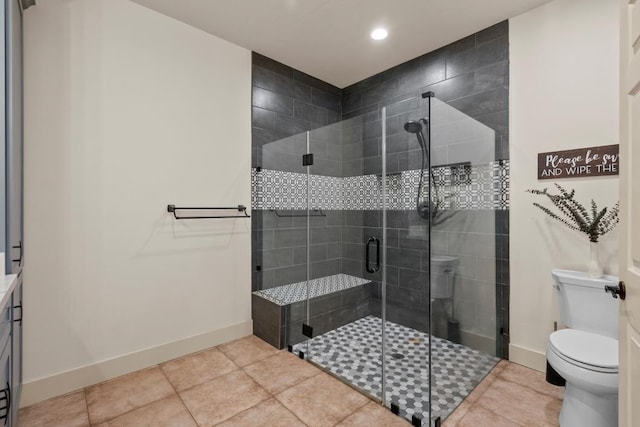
(379, 34)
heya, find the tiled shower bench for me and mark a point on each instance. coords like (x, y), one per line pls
(279, 312)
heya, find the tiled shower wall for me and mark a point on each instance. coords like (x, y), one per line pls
(471, 75)
(286, 102)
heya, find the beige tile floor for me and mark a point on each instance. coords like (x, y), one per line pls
(249, 383)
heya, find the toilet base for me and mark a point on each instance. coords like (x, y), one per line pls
(581, 408)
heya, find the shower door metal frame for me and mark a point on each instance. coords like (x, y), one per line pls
(383, 391)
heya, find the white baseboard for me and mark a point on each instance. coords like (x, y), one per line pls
(68, 381)
(527, 357)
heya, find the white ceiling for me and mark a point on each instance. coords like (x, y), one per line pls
(329, 39)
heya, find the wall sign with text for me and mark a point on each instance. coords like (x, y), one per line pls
(581, 162)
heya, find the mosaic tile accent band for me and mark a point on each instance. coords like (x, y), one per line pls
(482, 186)
(295, 292)
(353, 352)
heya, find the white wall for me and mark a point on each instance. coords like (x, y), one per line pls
(563, 94)
(126, 111)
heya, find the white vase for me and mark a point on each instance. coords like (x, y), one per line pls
(594, 268)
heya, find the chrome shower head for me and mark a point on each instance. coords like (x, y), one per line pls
(416, 127)
(413, 126)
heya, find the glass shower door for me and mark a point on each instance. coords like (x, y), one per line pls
(405, 195)
(344, 303)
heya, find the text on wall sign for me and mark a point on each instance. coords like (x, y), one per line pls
(581, 162)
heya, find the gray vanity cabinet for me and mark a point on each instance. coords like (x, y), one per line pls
(6, 398)
(11, 205)
(6, 401)
(16, 349)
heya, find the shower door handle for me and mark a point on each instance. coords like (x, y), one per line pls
(376, 267)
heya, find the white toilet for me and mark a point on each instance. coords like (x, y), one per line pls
(443, 276)
(442, 282)
(586, 355)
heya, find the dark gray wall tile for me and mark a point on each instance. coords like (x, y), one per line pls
(352, 234)
(351, 102)
(333, 116)
(330, 101)
(326, 268)
(458, 46)
(272, 81)
(326, 235)
(372, 165)
(272, 258)
(334, 250)
(413, 279)
(353, 218)
(309, 112)
(286, 275)
(483, 103)
(352, 167)
(286, 238)
(262, 118)
(272, 101)
(362, 85)
(405, 258)
(270, 64)
(354, 251)
(493, 32)
(266, 316)
(352, 267)
(291, 125)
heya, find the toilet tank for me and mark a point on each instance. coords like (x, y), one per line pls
(443, 275)
(584, 305)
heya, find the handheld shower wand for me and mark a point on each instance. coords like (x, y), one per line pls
(423, 208)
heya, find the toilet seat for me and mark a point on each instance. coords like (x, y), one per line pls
(585, 349)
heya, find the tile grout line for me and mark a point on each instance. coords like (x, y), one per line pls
(178, 394)
(134, 409)
(271, 395)
(293, 385)
(357, 409)
(331, 376)
(529, 388)
(86, 405)
(477, 404)
(238, 368)
(285, 406)
(493, 412)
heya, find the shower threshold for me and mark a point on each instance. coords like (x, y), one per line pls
(352, 353)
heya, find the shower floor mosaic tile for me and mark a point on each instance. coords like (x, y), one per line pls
(353, 352)
(295, 292)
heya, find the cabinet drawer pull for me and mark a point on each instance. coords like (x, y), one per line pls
(6, 405)
(16, 318)
(19, 260)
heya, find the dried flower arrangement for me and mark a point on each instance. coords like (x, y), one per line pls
(575, 216)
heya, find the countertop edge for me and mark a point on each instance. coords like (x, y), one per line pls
(8, 285)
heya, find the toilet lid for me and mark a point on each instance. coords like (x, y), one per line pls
(586, 348)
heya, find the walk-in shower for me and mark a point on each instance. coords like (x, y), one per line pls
(374, 252)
